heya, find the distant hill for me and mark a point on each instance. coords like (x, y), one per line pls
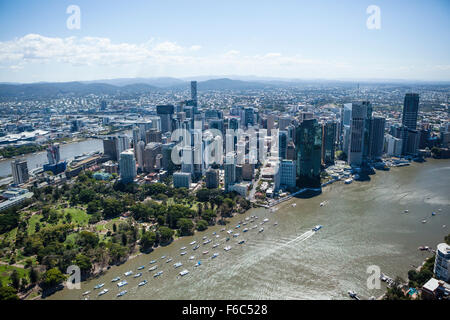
(161, 82)
(225, 84)
(47, 90)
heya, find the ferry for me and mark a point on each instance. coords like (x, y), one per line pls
(137, 275)
(196, 247)
(205, 252)
(153, 261)
(214, 255)
(215, 245)
(183, 253)
(99, 286)
(103, 292)
(168, 260)
(245, 230)
(193, 242)
(198, 264)
(317, 228)
(191, 258)
(141, 267)
(184, 272)
(86, 293)
(153, 268)
(158, 274)
(121, 293)
(115, 279)
(183, 248)
(143, 283)
(128, 273)
(122, 283)
(261, 230)
(227, 248)
(236, 235)
(241, 242)
(177, 265)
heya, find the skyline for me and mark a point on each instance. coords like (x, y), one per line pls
(190, 39)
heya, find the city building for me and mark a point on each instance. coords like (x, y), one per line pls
(181, 180)
(230, 170)
(212, 178)
(127, 166)
(328, 142)
(442, 262)
(19, 169)
(376, 139)
(287, 173)
(165, 112)
(53, 154)
(359, 133)
(282, 144)
(410, 110)
(308, 145)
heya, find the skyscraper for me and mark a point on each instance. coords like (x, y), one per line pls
(328, 142)
(359, 133)
(165, 112)
(376, 142)
(230, 170)
(282, 144)
(410, 110)
(194, 92)
(19, 169)
(127, 166)
(308, 145)
(53, 154)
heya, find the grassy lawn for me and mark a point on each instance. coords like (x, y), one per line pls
(32, 223)
(5, 273)
(79, 217)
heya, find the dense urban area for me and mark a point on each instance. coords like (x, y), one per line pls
(242, 144)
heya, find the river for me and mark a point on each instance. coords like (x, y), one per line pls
(363, 224)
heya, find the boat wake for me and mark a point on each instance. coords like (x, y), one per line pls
(300, 238)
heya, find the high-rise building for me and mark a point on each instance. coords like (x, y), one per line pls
(139, 151)
(153, 135)
(53, 154)
(229, 170)
(410, 110)
(442, 262)
(393, 146)
(282, 144)
(308, 145)
(127, 166)
(283, 122)
(181, 180)
(376, 140)
(109, 148)
(165, 112)
(328, 142)
(287, 173)
(249, 117)
(151, 150)
(166, 151)
(194, 92)
(19, 169)
(359, 133)
(212, 178)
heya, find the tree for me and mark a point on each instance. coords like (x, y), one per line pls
(202, 225)
(186, 226)
(165, 234)
(148, 239)
(83, 262)
(8, 293)
(34, 275)
(15, 279)
(52, 278)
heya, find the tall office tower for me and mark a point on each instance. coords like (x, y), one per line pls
(412, 142)
(53, 154)
(181, 116)
(291, 132)
(216, 124)
(287, 173)
(194, 92)
(19, 169)
(282, 144)
(249, 117)
(306, 115)
(376, 143)
(290, 151)
(103, 105)
(109, 148)
(270, 124)
(139, 151)
(155, 122)
(410, 110)
(127, 166)
(166, 151)
(75, 125)
(308, 145)
(283, 122)
(153, 135)
(122, 144)
(239, 176)
(212, 178)
(233, 123)
(328, 142)
(229, 170)
(136, 137)
(151, 150)
(165, 112)
(393, 146)
(359, 133)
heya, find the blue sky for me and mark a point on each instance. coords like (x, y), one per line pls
(293, 39)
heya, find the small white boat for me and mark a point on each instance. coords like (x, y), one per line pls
(193, 242)
(261, 230)
(191, 258)
(158, 274)
(183, 248)
(317, 228)
(115, 279)
(196, 247)
(153, 268)
(236, 235)
(424, 221)
(205, 252)
(245, 230)
(184, 272)
(275, 224)
(137, 275)
(121, 293)
(141, 267)
(103, 292)
(163, 257)
(241, 242)
(246, 219)
(348, 181)
(153, 261)
(183, 253)
(99, 286)
(322, 204)
(177, 265)
(406, 211)
(168, 260)
(198, 264)
(214, 255)
(204, 238)
(433, 213)
(222, 230)
(122, 283)
(86, 293)
(227, 248)
(294, 205)
(207, 241)
(128, 273)
(142, 283)
(265, 220)
(215, 245)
